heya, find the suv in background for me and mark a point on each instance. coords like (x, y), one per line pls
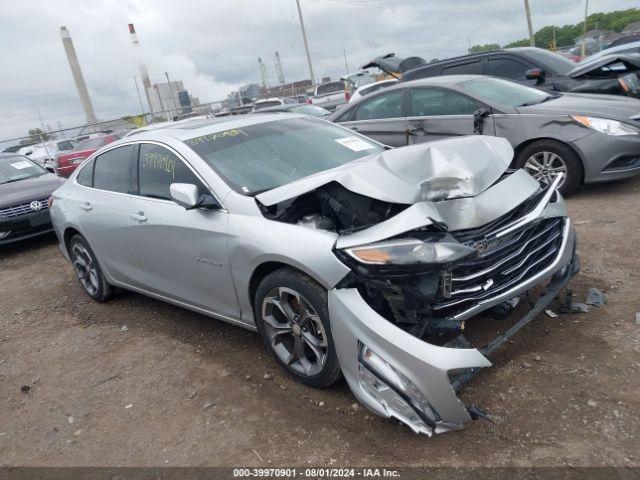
(541, 68)
(330, 95)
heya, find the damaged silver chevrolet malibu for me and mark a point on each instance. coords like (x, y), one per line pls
(349, 258)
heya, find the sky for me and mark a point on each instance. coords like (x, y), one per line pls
(213, 45)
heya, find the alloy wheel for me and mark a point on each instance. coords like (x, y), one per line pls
(294, 330)
(545, 167)
(85, 268)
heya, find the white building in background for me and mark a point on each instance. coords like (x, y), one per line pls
(165, 97)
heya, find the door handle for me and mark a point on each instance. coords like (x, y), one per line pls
(86, 206)
(355, 129)
(138, 217)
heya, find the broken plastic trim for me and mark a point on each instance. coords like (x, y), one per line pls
(428, 421)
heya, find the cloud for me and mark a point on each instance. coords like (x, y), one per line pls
(213, 46)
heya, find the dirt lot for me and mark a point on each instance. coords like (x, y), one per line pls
(138, 382)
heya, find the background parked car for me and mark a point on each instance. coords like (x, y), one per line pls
(541, 68)
(271, 102)
(330, 95)
(305, 108)
(25, 188)
(44, 154)
(624, 49)
(589, 138)
(370, 88)
(66, 163)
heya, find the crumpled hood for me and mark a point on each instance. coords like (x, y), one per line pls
(439, 170)
(589, 65)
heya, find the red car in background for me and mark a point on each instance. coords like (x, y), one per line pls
(69, 161)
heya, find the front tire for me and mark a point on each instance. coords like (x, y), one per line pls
(292, 315)
(544, 159)
(88, 270)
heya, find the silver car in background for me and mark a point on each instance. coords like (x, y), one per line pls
(349, 259)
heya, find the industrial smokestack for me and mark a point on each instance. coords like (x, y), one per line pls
(77, 75)
(146, 83)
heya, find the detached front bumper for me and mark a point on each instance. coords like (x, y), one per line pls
(395, 374)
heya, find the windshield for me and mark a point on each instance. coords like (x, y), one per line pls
(312, 110)
(503, 92)
(551, 61)
(267, 155)
(13, 169)
(266, 103)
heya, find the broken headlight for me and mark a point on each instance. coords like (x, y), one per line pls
(394, 392)
(409, 252)
(606, 126)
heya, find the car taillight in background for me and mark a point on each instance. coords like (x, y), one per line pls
(347, 94)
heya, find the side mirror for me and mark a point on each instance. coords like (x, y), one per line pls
(186, 195)
(535, 74)
(478, 122)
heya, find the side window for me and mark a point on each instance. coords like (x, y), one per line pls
(158, 168)
(507, 68)
(433, 101)
(85, 175)
(468, 68)
(112, 170)
(382, 106)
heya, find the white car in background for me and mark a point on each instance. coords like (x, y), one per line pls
(271, 102)
(44, 154)
(370, 88)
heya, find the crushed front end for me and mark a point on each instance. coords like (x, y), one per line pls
(434, 235)
(399, 329)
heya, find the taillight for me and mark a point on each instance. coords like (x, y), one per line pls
(308, 100)
(50, 202)
(347, 95)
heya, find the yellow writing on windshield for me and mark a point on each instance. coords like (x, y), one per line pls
(157, 161)
(234, 132)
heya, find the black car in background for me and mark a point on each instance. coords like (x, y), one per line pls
(25, 188)
(536, 67)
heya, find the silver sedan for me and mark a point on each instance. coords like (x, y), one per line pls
(350, 259)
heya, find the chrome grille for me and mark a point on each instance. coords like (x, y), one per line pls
(502, 263)
(23, 208)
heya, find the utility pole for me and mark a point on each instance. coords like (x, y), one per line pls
(584, 29)
(532, 41)
(346, 65)
(306, 45)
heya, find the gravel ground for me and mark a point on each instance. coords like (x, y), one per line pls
(136, 382)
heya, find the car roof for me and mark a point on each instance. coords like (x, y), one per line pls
(199, 127)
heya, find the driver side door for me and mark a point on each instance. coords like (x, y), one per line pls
(183, 252)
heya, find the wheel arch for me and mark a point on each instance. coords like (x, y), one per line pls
(517, 150)
(261, 271)
(68, 235)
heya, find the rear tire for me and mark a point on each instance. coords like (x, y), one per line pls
(88, 270)
(544, 159)
(292, 315)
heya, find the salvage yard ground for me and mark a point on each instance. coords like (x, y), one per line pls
(138, 382)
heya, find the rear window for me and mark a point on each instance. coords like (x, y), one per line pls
(112, 170)
(331, 87)
(92, 143)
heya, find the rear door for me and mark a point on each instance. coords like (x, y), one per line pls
(382, 117)
(437, 113)
(183, 252)
(103, 212)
